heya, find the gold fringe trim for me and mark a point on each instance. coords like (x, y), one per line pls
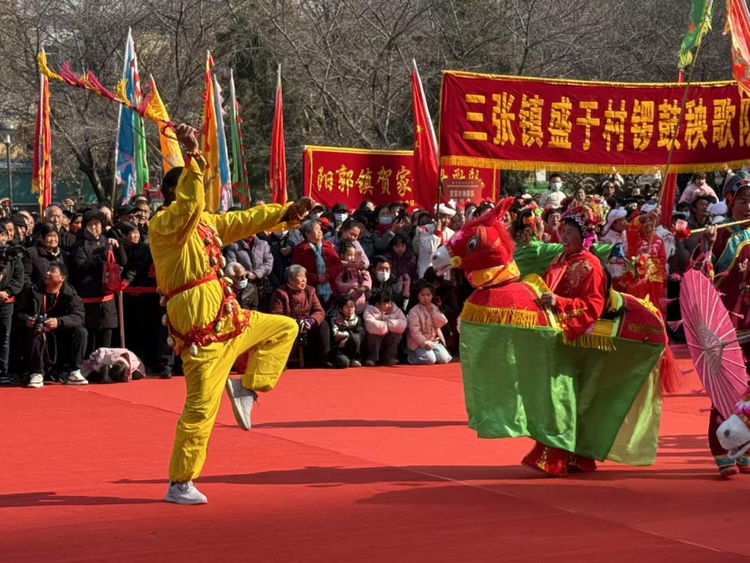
(352, 150)
(595, 341)
(465, 74)
(587, 168)
(519, 318)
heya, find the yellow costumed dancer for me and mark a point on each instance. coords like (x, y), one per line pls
(207, 326)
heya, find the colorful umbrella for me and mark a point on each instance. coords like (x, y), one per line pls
(712, 342)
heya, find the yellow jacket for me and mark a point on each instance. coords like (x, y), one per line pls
(179, 251)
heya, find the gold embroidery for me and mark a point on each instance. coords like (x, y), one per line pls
(646, 329)
(574, 275)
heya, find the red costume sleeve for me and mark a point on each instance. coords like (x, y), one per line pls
(585, 298)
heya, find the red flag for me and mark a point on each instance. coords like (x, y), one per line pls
(278, 151)
(41, 175)
(425, 148)
(667, 199)
(738, 24)
(669, 191)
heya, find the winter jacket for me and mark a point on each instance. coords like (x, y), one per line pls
(425, 324)
(67, 309)
(90, 256)
(351, 278)
(342, 327)
(38, 262)
(404, 264)
(393, 287)
(357, 247)
(304, 255)
(297, 304)
(12, 272)
(380, 324)
(255, 258)
(102, 358)
(139, 270)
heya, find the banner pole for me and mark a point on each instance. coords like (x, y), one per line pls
(680, 118)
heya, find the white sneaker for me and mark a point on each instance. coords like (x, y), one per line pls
(242, 402)
(75, 377)
(184, 493)
(36, 381)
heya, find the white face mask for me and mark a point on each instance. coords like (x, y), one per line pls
(556, 186)
(341, 217)
(383, 276)
(242, 284)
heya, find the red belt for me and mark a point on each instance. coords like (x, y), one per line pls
(190, 285)
(102, 299)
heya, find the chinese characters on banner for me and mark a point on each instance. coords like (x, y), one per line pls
(346, 175)
(527, 124)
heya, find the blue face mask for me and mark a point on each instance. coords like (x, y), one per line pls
(385, 220)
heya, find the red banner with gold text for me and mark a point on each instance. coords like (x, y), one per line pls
(506, 122)
(349, 176)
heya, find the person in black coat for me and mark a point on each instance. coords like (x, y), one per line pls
(144, 333)
(46, 251)
(61, 344)
(11, 284)
(90, 255)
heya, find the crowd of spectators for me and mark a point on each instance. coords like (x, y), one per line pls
(359, 282)
(356, 281)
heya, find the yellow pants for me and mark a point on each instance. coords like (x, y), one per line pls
(271, 338)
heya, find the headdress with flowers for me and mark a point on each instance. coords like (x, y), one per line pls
(589, 216)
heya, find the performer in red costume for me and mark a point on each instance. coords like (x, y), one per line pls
(638, 237)
(577, 293)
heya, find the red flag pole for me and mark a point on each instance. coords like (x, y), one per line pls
(664, 188)
(277, 173)
(426, 159)
(669, 190)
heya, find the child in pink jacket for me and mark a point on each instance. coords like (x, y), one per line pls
(385, 324)
(355, 280)
(425, 340)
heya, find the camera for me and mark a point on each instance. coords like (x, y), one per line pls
(39, 323)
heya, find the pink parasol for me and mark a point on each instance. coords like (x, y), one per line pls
(712, 342)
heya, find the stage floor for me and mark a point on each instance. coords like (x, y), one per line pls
(369, 464)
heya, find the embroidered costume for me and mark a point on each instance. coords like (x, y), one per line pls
(583, 387)
(732, 279)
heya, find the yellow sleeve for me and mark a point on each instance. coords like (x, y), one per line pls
(180, 219)
(239, 225)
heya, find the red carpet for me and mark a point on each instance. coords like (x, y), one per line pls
(357, 465)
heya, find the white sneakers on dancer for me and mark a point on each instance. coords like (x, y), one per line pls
(242, 402)
(185, 493)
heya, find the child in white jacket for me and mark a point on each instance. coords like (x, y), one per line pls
(385, 324)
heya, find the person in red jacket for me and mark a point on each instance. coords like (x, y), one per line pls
(320, 260)
(297, 299)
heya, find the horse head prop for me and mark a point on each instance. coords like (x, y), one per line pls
(734, 432)
(483, 248)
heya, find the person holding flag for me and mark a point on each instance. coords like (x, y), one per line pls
(206, 324)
